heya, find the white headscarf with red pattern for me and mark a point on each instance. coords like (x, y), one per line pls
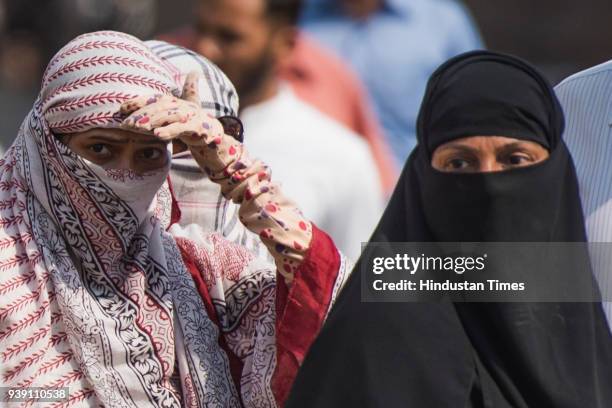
(94, 295)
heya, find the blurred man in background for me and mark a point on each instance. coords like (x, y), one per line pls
(323, 80)
(393, 45)
(323, 166)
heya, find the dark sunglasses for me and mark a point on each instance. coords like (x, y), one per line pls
(233, 127)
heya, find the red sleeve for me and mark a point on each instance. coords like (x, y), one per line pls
(302, 309)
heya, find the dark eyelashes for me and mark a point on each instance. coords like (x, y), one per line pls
(509, 155)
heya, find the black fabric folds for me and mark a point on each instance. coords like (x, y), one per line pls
(488, 94)
(449, 354)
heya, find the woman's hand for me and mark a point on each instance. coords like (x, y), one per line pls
(263, 208)
(169, 118)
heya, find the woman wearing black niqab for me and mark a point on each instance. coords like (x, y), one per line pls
(446, 354)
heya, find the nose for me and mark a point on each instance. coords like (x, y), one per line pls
(489, 164)
(125, 161)
(208, 47)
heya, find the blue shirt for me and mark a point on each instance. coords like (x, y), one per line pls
(586, 98)
(394, 52)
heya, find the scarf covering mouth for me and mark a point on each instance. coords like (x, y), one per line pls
(94, 293)
(453, 354)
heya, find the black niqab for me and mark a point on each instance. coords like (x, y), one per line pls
(448, 354)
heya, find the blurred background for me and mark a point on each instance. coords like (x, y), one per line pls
(559, 36)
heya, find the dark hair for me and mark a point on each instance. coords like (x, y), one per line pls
(287, 11)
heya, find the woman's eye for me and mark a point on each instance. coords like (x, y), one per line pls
(518, 159)
(99, 149)
(458, 164)
(152, 154)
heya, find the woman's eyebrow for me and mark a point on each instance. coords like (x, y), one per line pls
(458, 147)
(150, 141)
(124, 139)
(108, 139)
(512, 146)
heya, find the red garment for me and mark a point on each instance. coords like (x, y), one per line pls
(301, 310)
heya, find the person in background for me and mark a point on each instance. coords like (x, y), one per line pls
(322, 79)
(586, 98)
(312, 155)
(393, 45)
(197, 199)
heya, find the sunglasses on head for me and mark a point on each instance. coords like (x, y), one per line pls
(232, 126)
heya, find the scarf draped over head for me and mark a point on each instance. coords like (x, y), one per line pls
(94, 295)
(471, 354)
(489, 94)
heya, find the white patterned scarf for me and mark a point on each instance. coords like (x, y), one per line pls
(199, 199)
(94, 295)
